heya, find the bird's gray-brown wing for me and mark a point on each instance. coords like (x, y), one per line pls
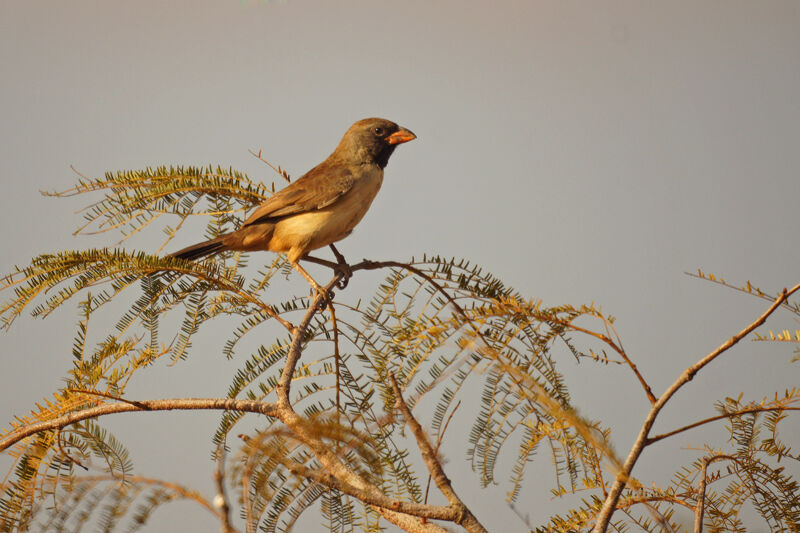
(316, 189)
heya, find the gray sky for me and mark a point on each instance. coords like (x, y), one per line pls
(581, 152)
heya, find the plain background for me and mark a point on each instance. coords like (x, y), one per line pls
(583, 152)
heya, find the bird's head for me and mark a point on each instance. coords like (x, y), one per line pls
(371, 140)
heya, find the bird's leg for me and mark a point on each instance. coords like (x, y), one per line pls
(326, 296)
(342, 267)
(339, 257)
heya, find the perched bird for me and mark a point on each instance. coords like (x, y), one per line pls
(322, 206)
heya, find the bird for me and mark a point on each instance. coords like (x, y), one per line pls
(321, 207)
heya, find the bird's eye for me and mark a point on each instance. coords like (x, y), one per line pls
(378, 131)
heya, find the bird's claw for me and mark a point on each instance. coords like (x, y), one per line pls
(346, 272)
(325, 297)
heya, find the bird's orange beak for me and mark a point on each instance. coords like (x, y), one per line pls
(401, 136)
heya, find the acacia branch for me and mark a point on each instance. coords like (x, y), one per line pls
(439, 443)
(278, 169)
(296, 347)
(366, 264)
(610, 503)
(178, 489)
(305, 432)
(221, 500)
(465, 518)
(752, 291)
(186, 404)
(434, 512)
(710, 419)
(699, 509)
(606, 339)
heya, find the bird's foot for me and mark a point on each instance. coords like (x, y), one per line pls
(322, 297)
(346, 273)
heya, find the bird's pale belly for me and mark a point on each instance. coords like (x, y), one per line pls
(301, 233)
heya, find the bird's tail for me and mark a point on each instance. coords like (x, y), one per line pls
(202, 249)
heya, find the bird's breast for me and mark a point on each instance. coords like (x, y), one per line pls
(301, 233)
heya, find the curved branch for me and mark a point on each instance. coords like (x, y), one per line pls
(184, 492)
(366, 264)
(223, 404)
(433, 512)
(608, 340)
(700, 508)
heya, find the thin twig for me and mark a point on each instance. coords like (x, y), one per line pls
(65, 454)
(295, 348)
(221, 500)
(710, 419)
(647, 390)
(439, 443)
(752, 291)
(278, 169)
(375, 265)
(107, 396)
(336, 358)
(179, 489)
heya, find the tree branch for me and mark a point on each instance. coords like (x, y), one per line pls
(610, 503)
(306, 434)
(439, 443)
(278, 169)
(295, 349)
(366, 264)
(184, 492)
(225, 404)
(710, 419)
(221, 499)
(699, 509)
(434, 512)
(466, 518)
(749, 289)
(606, 339)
